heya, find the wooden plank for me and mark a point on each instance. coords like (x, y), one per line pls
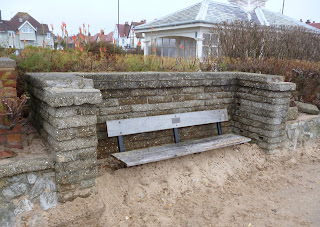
(162, 122)
(153, 154)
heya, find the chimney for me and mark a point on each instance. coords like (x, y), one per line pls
(143, 21)
(301, 20)
(308, 22)
(127, 23)
(0, 15)
(314, 21)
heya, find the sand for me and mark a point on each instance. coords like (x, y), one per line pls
(237, 186)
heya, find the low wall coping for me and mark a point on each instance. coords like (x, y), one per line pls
(7, 63)
(25, 164)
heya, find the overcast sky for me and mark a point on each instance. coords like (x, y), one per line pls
(103, 14)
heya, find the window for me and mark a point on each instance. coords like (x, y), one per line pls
(27, 30)
(48, 35)
(122, 41)
(10, 33)
(20, 20)
(210, 45)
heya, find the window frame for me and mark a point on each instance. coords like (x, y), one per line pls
(27, 30)
(10, 33)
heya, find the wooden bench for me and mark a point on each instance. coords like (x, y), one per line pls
(124, 127)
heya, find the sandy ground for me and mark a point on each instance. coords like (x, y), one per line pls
(235, 186)
(238, 186)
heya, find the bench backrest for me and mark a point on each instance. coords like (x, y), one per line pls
(162, 122)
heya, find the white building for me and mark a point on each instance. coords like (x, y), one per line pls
(23, 30)
(186, 33)
(127, 38)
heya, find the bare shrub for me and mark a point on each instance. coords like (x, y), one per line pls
(244, 39)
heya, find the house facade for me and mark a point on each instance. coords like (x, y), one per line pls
(23, 30)
(125, 35)
(187, 33)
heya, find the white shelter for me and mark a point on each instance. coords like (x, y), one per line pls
(186, 33)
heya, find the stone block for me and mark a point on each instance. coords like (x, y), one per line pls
(75, 165)
(144, 92)
(67, 97)
(262, 78)
(260, 123)
(239, 109)
(103, 118)
(292, 113)
(69, 133)
(192, 90)
(75, 177)
(257, 137)
(160, 99)
(48, 200)
(70, 145)
(73, 122)
(114, 110)
(219, 101)
(261, 132)
(87, 183)
(15, 190)
(264, 93)
(262, 99)
(69, 111)
(80, 154)
(7, 216)
(262, 119)
(271, 86)
(307, 108)
(42, 185)
(118, 93)
(263, 106)
(7, 63)
(109, 102)
(215, 89)
(132, 100)
(58, 80)
(17, 166)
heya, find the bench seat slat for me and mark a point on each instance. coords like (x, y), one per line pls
(153, 154)
(162, 122)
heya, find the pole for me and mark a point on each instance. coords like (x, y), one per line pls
(118, 25)
(283, 6)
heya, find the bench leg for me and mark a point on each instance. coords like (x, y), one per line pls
(176, 135)
(219, 128)
(120, 144)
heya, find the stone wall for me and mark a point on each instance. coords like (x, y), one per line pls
(70, 111)
(128, 95)
(25, 183)
(301, 131)
(8, 93)
(257, 105)
(64, 112)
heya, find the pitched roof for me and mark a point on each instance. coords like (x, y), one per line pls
(138, 23)
(316, 25)
(107, 38)
(92, 39)
(15, 22)
(123, 29)
(210, 12)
